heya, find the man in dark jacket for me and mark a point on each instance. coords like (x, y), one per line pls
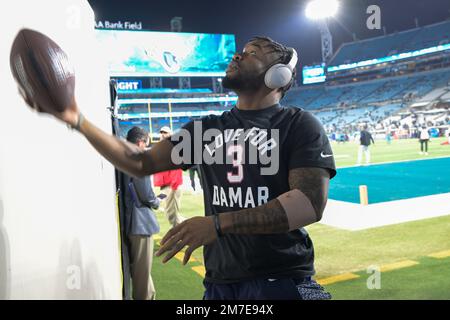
(141, 224)
(364, 140)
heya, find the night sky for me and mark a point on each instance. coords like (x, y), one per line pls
(282, 20)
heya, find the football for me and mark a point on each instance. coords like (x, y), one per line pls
(42, 70)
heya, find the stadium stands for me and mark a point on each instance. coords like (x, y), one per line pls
(371, 95)
(342, 107)
(383, 46)
(367, 114)
(317, 97)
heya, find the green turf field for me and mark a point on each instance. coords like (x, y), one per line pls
(341, 251)
(346, 154)
(427, 280)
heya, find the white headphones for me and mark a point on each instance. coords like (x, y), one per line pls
(280, 75)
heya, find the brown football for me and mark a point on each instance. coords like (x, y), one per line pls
(42, 70)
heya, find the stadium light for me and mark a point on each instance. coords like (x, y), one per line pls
(321, 9)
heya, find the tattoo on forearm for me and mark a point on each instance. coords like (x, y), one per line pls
(313, 182)
(271, 217)
(268, 218)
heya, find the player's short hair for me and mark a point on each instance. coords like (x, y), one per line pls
(285, 54)
(137, 134)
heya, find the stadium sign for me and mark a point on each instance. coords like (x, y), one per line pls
(166, 54)
(314, 74)
(119, 25)
(129, 85)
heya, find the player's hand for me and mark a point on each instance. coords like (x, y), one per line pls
(193, 233)
(68, 116)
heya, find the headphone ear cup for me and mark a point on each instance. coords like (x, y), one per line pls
(278, 76)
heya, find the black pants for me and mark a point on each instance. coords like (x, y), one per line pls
(424, 143)
(267, 289)
(192, 172)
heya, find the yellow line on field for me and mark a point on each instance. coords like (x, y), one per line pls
(338, 278)
(200, 270)
(398, 265)
(440, 255)
(350, 276)
(180, 256)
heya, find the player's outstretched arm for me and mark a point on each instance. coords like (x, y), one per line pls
(126, 156)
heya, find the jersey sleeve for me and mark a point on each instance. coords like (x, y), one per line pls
(309, 145)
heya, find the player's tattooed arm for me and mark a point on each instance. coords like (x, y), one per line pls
(300, 206)
(314, 183)
(307, 200)
(268, 218)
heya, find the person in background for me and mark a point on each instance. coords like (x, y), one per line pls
(365, 139)
(170, 182)
(192, 171)
(141, 224)
(424, 137)
(388, 137)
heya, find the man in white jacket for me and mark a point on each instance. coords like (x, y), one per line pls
(424, 137)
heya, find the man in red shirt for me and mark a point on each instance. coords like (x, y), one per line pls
(169, 182)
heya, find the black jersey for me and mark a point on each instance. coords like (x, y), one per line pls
(292, 138)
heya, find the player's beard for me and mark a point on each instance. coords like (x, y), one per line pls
(243, 83)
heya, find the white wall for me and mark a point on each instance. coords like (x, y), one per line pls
(58, 219)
